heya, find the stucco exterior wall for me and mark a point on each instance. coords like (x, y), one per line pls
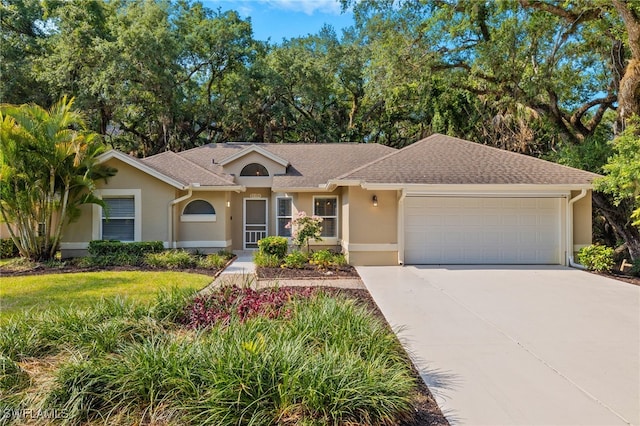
(236, 166)
(582, 221)
(373, 230)
(203, 234)
(155, 198)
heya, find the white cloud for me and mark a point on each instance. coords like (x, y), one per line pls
(308, 7)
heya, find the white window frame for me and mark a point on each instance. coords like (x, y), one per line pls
(198, 217)
(96, 232)
(336, 217)
(278, 217)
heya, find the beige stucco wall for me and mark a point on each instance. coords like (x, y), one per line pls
(204, 231)
(155, 198)
(582, 221)
(236, 166)
(372, 231)
(4, 231)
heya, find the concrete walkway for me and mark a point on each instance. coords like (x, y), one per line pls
(518, 345)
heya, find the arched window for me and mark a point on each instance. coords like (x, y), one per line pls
(198, 211)
(199, 207)
(254, 169)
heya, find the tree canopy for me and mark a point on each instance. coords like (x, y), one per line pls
(552, 78)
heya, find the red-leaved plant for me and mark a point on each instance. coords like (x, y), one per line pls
(231, 301)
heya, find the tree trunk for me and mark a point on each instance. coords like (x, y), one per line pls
(618, 218)
(629, 88)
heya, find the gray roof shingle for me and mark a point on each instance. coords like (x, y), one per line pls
(441, 159)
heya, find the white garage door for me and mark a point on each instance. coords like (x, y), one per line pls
(450, 230)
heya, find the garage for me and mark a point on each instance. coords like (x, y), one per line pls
(482, 230)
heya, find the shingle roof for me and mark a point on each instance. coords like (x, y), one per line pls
(311, 164)
(173, 165)
(441, 159)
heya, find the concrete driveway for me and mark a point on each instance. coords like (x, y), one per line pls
(518, 345)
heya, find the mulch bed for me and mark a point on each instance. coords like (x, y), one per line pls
(616, 275)
(307, 272)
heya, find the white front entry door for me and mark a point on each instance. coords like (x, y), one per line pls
(255, 222)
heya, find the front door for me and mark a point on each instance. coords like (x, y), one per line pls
(255, 221)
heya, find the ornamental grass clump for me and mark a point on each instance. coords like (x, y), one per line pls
(279, 356)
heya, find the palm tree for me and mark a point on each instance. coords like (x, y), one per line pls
(48, 168)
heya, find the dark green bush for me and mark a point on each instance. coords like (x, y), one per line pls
(276, 246)
(8, 249)
(596, 257)
(296, 260)
(635, 269)
(111, 248)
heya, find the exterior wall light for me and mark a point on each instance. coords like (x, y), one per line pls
(228, 203)
(375, 201)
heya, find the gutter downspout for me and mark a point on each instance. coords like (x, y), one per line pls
(172, 243)
(570, 261)
(400, 231)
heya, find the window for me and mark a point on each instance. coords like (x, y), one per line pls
(283, 216)
(254, 169)
(118, 219)
(199, 207)
(198, 211)
(327, 209)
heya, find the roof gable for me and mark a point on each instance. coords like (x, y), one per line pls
(259, 150)
(134, 162)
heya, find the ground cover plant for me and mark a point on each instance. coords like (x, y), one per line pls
(328, 361)
(39, 292)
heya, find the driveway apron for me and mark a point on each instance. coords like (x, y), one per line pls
(518, 345)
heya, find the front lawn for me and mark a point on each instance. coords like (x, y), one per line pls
(237, 356)
(39, 292)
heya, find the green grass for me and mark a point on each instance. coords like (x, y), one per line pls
(40, 292)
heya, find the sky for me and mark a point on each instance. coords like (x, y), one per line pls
(278, 19)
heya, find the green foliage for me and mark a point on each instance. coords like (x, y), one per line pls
(171, 259)
(324, 259)
(622, 171)
(12, 377)
(212, 261)
(306, 228)
(266, 260)
(276, 246)
(296, 260)
(48, 169)
(330, 362)
(596, 258)
(106, 248)
(8, 249)
(635, 268)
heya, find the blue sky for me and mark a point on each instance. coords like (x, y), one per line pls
(278, 19)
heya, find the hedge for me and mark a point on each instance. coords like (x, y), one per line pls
(114, 248)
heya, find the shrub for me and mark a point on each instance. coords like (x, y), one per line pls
(110, 248)
(171, 259)
(276, 246)
(635, 269)
(596, 257)
(305, 228)
(266, 260)
(229, 302)
(325, 258)
(296, 260)
(8, 249)
(212, 261)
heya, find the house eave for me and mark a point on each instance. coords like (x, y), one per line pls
(249, 150)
